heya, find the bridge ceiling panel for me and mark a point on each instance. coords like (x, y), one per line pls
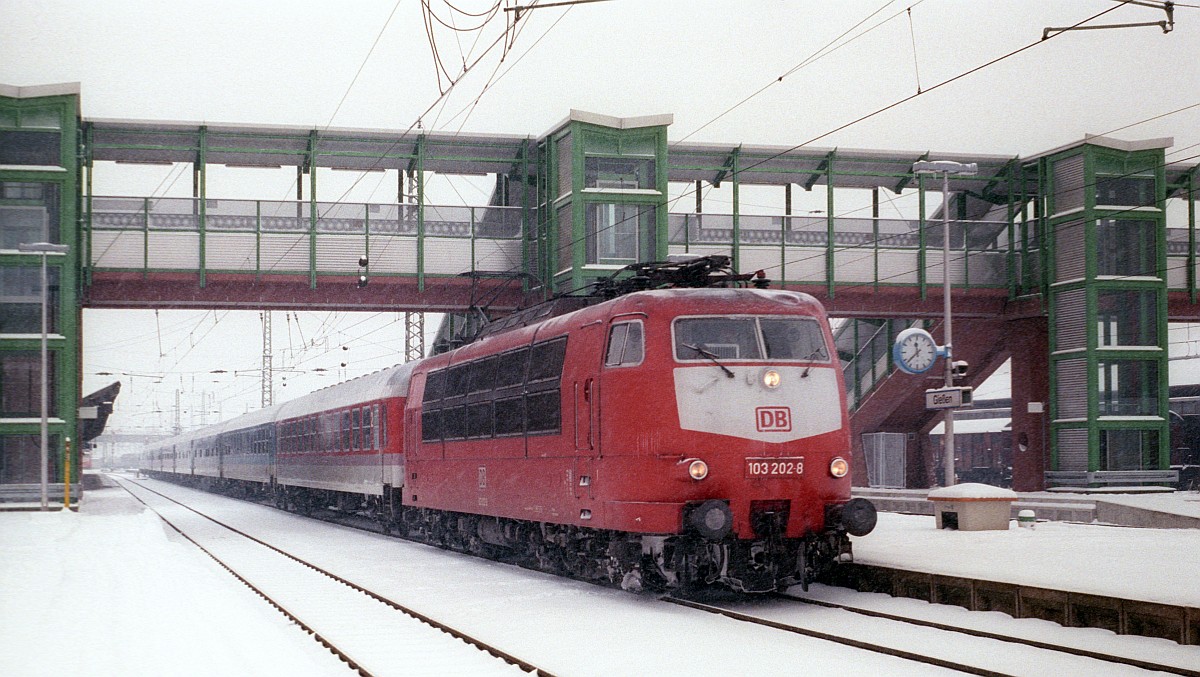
(780, 165)
(274, 146)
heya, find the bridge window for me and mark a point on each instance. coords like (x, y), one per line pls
(1128, 388)
(1127, 317)
(28, 213)
(620, 234)
(1129, 449)
(21, 299)
(1126, 247)
(24, 147)
(619, 172)
(21, 385)
(1125, 191)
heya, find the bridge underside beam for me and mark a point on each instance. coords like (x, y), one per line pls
(287, 292)
(902, 302)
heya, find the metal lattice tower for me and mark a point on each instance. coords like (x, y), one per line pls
(268, 378)
(414, 336)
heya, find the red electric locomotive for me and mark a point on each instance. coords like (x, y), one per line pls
(665, 438)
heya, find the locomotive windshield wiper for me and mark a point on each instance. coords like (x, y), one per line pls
(711, 357)
(812, 356)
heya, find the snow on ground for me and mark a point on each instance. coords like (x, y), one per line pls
(112, 591)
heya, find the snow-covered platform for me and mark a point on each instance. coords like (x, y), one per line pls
(1162, 510)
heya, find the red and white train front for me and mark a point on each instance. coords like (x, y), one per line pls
(670, 438)
(737, 397)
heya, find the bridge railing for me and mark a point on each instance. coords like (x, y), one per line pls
(862, 250)
(293, 237)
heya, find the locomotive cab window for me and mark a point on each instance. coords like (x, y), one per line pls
(626, 345)
(749, 338)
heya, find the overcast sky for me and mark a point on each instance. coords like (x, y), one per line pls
(370, 64)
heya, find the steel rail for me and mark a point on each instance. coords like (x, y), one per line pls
(1084, 653)
(458, 634)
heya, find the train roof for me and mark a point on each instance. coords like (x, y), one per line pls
(390, 382)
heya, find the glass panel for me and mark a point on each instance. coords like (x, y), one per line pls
(620, 233)
(619, 172)
(20, 459)
(435, 385)
(729, 338)
(1128, 388)
(616, 344)
(483, 374)
(794, 339)
(46, 118)
(1129, 449)
(28, 213)
(510, 368)
(1125, 191)
(21, 385)
(546, 360)
(30, 148)
(21, 300)
(1127, 318)
(479, 420)
(635, 347)
(1126, 247)
(544, 411)
(510, 416)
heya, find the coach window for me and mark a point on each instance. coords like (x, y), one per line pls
(370, 440)
(347, 431)
(482, 377)
(381, 417)
(510, 368)
(626, 345)
(373, 412)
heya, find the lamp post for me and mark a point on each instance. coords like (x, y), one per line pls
(946, 168)
(44, 248)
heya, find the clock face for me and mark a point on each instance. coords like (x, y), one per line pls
(915, 351)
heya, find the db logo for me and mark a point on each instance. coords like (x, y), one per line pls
(773, 419)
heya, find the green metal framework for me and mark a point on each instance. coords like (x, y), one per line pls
(37, 119)
(1106, 288)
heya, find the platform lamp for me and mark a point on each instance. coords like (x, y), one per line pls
(946, 168)
(44, 248)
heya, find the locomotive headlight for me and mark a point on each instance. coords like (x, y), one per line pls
(771, 379)
(698, 470)
(838, 467)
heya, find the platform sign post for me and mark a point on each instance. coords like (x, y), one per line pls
(946, 168)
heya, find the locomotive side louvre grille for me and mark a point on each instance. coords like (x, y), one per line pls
(1073, 449)
(1070, 319)
(1072, 391)
(516, 392)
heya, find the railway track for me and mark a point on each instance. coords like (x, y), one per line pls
(990, 654)
(372, 634)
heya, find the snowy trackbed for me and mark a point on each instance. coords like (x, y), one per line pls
(372, 634)
(929, 643)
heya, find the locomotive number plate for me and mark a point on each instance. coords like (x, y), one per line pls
(775, 467)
